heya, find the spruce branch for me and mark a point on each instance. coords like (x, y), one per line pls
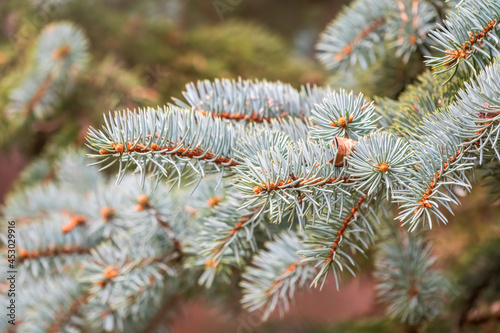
(469, 35)
(467, 129)
(59, 55)
(62, 48)
(159, 208)
(333, 239)
(228, 234)
(409, 27)
(36, 203)
(255, 102)
(64, 292)
(127, 273)
(381, 158)
(407, 281)
(243, 100)
(274, 276)
(419, 100)
(52, 252)
(291, 157)
(342, 115)
(43, 247)
(65, 317)
(299, 180)
(478, 107)
(353, 36)
(437, 169)
(310, 95)
(167, 142)
(295, 128)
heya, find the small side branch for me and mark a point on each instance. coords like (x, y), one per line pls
(350, 216)
(144, 204)
(51, 252)
(346, 51)
(197, 152)
(64, 317)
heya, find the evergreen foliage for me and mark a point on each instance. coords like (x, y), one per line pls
(278, 188)
(60, 54)
(415, 291)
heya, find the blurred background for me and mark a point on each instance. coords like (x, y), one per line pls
(142, 53)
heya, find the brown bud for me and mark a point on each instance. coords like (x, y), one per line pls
(413, 292)
(257, 190)
(341, 121)
(67, 228)
(211, 263)
(23, 253)
(110, 272)
(119, 148)
(61, 52)
(214, 201)
(143, 200)
(383, 167)
(78, 220)
(344, 148)
(107, 213)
